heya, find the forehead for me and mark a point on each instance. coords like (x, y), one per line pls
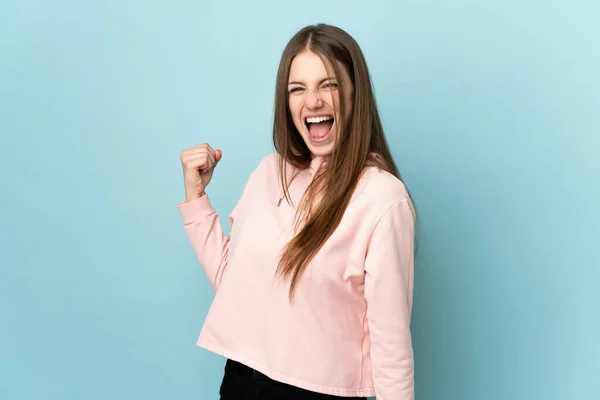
(308, 67)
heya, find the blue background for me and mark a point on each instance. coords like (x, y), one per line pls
(492, 110)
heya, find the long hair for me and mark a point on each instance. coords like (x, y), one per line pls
(357, 140)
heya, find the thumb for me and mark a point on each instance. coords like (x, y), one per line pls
(218, 155)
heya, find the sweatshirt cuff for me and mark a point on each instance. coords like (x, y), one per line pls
(195, 210)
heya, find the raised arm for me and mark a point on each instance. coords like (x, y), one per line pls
(201, 221)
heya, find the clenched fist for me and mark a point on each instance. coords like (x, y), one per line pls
(198, 163)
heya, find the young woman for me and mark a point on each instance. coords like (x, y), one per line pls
(314, 283)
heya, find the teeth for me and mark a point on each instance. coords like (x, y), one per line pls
(316, 120)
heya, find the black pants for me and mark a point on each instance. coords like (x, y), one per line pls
(243, 383)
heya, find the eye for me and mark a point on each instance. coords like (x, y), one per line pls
(295, 90)
(330, 85)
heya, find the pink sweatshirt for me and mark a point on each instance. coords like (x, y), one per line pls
(346, 333)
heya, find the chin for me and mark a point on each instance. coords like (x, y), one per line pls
(321, 151)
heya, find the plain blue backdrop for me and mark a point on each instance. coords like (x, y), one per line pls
(492, 110)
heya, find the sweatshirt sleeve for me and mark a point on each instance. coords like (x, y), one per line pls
(205, 233)
(388, 289)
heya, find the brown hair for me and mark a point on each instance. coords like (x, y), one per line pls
(357, 140)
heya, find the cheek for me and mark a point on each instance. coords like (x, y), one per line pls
(294, 105)
(334, 100)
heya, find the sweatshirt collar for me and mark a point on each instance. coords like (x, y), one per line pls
(291, 173)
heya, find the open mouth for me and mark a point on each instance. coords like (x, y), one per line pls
(319, 127)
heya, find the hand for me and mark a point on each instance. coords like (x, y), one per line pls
(198, 163)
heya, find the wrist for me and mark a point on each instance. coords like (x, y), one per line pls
(194, 196)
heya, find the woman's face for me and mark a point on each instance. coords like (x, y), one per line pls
(315, 103)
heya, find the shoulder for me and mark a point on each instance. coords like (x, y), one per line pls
(266, 165)
(261, 175)
(380, 184)
(382, 190)
(270, 161)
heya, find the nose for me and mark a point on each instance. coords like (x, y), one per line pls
(313, 99)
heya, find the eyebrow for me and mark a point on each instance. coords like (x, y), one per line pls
(329, 78)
